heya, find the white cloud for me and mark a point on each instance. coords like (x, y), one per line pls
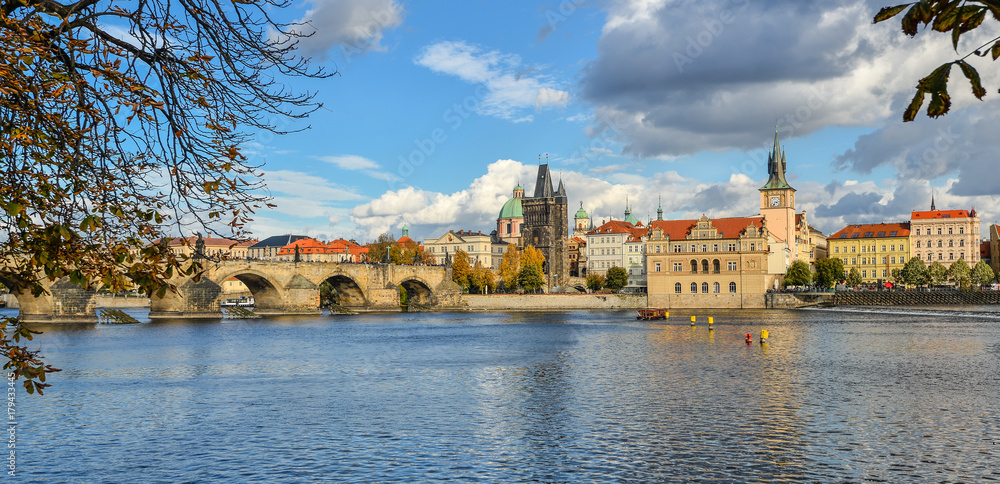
(350, 162)
(508, 90)
(354, 26)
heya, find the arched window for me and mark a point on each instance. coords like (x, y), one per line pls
(939, 243)
(694, 266)
(677, 288)
(704, 287)
(716, 266)
(694, 288)
(732, 287)
(715, 287)
(704, 265)
(951, 243)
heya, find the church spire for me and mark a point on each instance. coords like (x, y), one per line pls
(776, 166)
(659, 208)
(932, 201)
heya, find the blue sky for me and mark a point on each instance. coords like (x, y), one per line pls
(441, 107)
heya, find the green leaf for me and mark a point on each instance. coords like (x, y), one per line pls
(947, 18)
(939, 105)
(995, 50)
(973, 76)
(938, 80)
(911, 112)
(910, 21)
(888, 12)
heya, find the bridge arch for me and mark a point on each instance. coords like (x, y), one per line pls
(418, 291)
(345, 291)
(265, 290)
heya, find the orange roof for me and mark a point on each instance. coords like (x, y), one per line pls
(730, 228)
(862, 231)
(613, 227)
(931, 214)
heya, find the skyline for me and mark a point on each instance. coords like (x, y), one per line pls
(437, 114)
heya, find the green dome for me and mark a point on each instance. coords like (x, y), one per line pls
(581, 213)
(512, 209)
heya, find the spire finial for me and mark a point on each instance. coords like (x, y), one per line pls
(932, 201)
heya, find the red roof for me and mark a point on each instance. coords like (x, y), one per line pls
(931, 214)
(730, 228)
(872, 230)
(613, 227)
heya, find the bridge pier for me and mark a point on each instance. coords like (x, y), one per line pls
(65, 303)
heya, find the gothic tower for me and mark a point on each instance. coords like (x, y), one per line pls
(777, 201)
(546, 225)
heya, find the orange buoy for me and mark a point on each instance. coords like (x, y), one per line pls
(749, 338)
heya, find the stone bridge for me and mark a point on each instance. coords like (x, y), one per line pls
(277, 288)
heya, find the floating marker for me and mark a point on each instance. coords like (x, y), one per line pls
(710, 320)
(692, 320)
(763, 336)
(749, 338)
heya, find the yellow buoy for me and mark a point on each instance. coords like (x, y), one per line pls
(763, 335)
(710, 320)
(692, 320)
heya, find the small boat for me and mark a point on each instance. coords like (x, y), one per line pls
(652, 313)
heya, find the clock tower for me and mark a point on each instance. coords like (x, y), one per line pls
(777, 201)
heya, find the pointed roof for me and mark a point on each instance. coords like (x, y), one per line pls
(932, 202)
(561, 191)
(776, 167)
(543, 183)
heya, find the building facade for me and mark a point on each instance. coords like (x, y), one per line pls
(269, 247)
(875, 250)
(945, 236)
(606, 246)
(728, 262)
(546, 225)
(479, 247)
(511, 219)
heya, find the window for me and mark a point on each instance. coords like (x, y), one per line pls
(836, 250)
(864, 274)
(884, 273)
(961, 243)
(893, 259)
(854, 249)
(930, 256)
(881, 234)
(694, 288)
(951, 256)
(678, 267)
(853, 261)
(869, 234)
(885, 260)
(864, 260)
(732, 247)
(940, 256)
(677, 247)
(716, 266)
(962, 256)
(893, 233)
(715, 247)
(939, 230)
(657, 267)
(704, 265)
(715, 287)
(961, 230)
(704, 287)
(657, 249)
(949, 230)
(918, 231)
(918, 244)
(892, 247)
(883, 248)
(843, 235)
(855, 235)
(677, 288)
(694, 266)
(704, 247)
(731, 266)
(752, 246)
(732, 287)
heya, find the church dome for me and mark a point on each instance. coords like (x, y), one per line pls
(581, 213)
(512, 209)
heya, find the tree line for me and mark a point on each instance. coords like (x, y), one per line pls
(830, 272)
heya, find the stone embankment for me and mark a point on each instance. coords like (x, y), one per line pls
(551, 302)
(881, 298)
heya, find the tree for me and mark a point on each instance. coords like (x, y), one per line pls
(798, 274)
(510, 267)
(481, 279)
(533, 256)
(530, 277)
(983, 274)
(937, 273)
(961, 273)
(854, 277)
(595, 282)
(954, 18)
(914, 272)
(423, 257)
(378, 248)
(829, 272)
(124, 123)
(460, 268)
(616, 279)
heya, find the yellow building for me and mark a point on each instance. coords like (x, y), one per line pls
(874, 249)
(729, 262)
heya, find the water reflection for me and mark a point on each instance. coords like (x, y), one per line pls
(570, 397)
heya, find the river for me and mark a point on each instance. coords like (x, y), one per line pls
(835, 395)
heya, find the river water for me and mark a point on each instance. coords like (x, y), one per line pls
(844, 395)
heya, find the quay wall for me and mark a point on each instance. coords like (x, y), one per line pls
(883, 298)
(551, 302)
(100, 301)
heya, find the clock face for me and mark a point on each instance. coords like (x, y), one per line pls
(775, 201)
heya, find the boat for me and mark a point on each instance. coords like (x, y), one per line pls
(652, 313)
(242, 302)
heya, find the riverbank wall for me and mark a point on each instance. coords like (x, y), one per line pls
(550, 302)
(882, 298)
(100, 301)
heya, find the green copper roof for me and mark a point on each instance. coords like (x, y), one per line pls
(631, 218)
(581, 213)
(512, 209)
(776, 167)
